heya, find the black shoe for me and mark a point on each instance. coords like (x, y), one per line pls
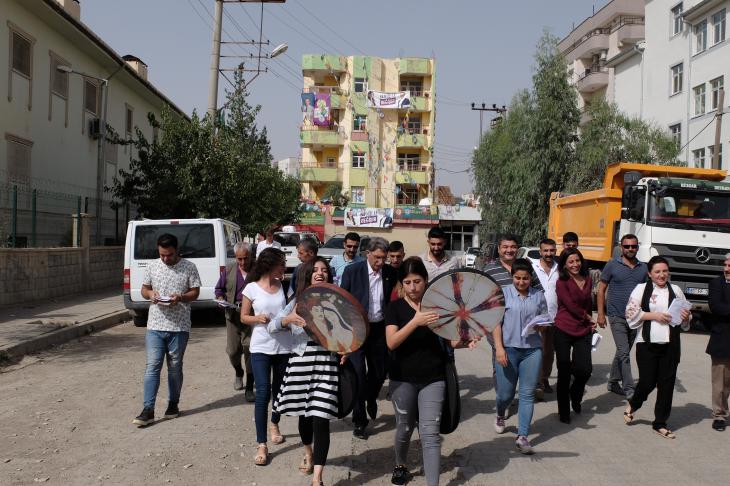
(576, 407)
(718, 425)
(249, 395)
(145, 418)
(238, 383)
(565, 420)
(400, 476)
(546, 387)
(539, 394)
(172, 411)
(372, 408)
(359, 432)
(614, 387)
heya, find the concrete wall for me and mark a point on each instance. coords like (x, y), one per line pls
(33, 275)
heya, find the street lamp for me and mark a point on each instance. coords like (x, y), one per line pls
(100, 164)
(280, 49)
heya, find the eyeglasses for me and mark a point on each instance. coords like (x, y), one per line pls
(630, 247)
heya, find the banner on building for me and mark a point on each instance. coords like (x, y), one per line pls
(307, 108)
(378, 99)
(322, 109)
(369, 217)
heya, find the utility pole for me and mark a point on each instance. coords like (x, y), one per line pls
(215, 59)
(481, 110)
(718, 129)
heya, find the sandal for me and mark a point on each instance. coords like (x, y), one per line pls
(628, 417)
(665, 432)
(276, 437)
(262, 455)
(306, 466)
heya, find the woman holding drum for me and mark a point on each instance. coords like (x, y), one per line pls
(417, 372)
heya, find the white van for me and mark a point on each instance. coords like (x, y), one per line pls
(208, 243)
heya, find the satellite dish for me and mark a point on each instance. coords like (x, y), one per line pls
(280, 49)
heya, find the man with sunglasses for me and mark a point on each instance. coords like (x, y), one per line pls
(620, 276)
(238, 336)
(348, 257)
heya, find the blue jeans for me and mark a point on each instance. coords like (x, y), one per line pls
(524, 364)
(268, 373)
(161, 344)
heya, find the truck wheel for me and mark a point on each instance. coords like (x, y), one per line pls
(140, 320)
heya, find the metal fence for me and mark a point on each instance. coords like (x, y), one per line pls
(31, 215)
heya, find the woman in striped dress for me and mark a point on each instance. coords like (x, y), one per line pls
(311, 380)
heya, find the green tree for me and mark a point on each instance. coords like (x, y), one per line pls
(195, 169)
(612, 136)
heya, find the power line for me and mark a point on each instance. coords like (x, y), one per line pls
(703, 129)
(331, 29)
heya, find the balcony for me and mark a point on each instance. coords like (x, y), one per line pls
(592, 43)
(413, 174)
(319, 136)
(314, 171)
(323, 62)
(420, 103)
(592, 80)
(413, 139)
(338, 100)
(629, 30)
(415, 65)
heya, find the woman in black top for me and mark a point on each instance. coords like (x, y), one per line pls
(417, 364)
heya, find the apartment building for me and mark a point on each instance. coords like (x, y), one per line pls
(613, 29)
(50, 120)
(381, 155)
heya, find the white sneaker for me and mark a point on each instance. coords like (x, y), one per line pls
(499, 424)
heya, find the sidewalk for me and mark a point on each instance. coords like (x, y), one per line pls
(27, 329)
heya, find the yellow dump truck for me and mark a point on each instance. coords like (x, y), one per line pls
(681, 213)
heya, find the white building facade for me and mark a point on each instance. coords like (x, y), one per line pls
(49, 120)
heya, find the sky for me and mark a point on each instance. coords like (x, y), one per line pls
(483, 50)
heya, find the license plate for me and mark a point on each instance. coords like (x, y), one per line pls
(696, 291)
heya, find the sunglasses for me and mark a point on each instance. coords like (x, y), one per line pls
(630, 247)
(350, 246)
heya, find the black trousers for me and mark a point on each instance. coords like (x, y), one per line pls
(573, 356)
(657, 365)
(316, 430)
(370, 379)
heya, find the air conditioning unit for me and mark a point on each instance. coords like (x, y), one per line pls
(94, 128)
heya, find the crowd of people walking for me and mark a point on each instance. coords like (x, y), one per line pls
(284, 369)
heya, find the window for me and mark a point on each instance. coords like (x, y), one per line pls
(715, 86)
(358, 161)
(22, 54)
(701, 36)
(361, 85)
(359, 122)
(711, 151)
(677, 78)
(718, 27)
(407, 194)
(129, 120)
(91, 97)
(358, 194)
(194, 240)
(698, 157)
(409, 162)
(412, 124)
(676, 132)
(699, 95)
(415, 86)
(18, 153)
(677, 19)
(59, 80)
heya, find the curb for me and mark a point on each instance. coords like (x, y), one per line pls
(63, 335)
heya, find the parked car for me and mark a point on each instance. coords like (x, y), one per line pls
(531, 252)
(289, 241)
(335, 246)
(470, 257)
(208, 243)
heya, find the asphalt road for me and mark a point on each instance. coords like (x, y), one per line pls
(65, 418)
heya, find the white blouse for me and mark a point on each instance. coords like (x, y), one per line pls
(658, 302)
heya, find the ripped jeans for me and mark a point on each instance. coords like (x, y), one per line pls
(161, 344)
(416, 402)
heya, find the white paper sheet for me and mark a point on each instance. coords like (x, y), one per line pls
(676, 308)
(595, 341)
(538, 321)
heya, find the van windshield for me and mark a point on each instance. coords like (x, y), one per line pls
(194, 240)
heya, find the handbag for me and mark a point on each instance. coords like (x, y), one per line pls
(451, 408)
(346, 389)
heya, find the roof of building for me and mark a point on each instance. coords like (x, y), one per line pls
(120, 61)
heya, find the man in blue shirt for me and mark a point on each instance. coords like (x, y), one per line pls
(349, 256)
(620, 276)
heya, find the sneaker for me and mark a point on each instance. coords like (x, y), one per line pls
(523, 445)
(718, 425)
(400, 476)
(145, 418)
(172, 411)
(614, 387)
(238, 383)
(249, 395)
(539, 394)
(499, 424)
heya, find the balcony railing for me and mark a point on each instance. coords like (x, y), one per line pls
(593, 33)
(316, 164)
(324, 89)
(592, 70)
(412, 167)
(626, 20)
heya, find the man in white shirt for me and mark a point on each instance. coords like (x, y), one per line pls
(546, 269)
(436, 259)
(268, 242)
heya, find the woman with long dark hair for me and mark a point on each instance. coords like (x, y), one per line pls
(417, 372)
(263, 298)
(310, 386)
(658, 344)
(574, 327)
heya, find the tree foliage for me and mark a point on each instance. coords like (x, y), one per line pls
(538, 149)
(195, 169)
